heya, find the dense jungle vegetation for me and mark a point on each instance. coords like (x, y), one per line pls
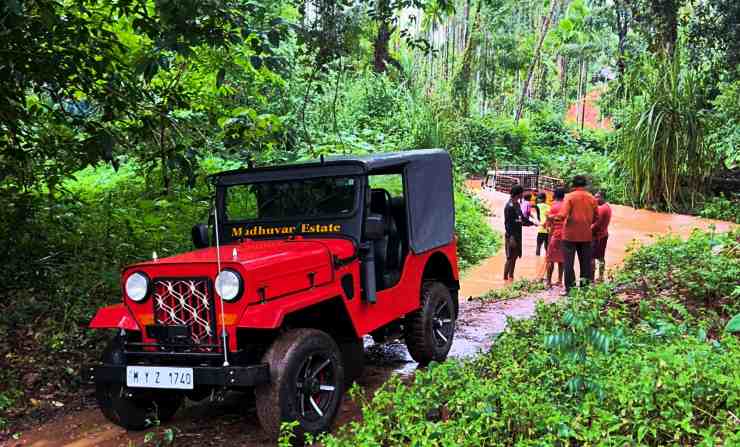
(112, 112)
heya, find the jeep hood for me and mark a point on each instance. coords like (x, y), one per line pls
(270, 268)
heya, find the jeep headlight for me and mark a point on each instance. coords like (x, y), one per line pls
(229, 285)
(137, 286)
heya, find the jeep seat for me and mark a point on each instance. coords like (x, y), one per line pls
(387, 250)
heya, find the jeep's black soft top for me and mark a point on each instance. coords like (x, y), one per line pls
(428, 186)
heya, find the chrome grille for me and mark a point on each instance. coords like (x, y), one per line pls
(186, 302)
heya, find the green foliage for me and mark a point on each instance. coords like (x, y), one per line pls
(725, 135)
(287, 436)
(159, 437)
(703, 269)
(722, 207)
(477, 144)
(662, 137)
(476, 241)
(517, 289)
(596, 369)
(733, 326)
(92, 80)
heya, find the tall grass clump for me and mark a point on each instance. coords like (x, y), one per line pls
(662, 136)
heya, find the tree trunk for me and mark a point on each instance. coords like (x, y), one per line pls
(163, 155)
(466, 30)
(622, 14)
(546, 20)
(584, 83)
(382, 56)
(461, 82)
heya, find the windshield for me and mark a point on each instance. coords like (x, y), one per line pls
(285, 200)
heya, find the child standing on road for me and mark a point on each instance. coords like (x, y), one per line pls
(543, 234)
(525, 203)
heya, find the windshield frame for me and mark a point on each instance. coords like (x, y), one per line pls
(222, 205)
(351, 223)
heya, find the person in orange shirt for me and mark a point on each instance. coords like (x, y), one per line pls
(600, 229)
(578, 213)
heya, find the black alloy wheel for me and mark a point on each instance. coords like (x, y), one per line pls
(429, 331)
(443, 325)
(316, 387)
(306, 383)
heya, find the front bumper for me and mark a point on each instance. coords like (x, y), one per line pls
(208, 376)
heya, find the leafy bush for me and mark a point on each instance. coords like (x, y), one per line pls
(477, 143)
(725, 134)
(475, 238)
(722, 207)
(703, 270)
(597, 369)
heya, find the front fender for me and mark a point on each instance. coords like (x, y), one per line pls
(116, 316)
(271, 314)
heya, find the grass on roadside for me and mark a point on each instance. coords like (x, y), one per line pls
(517, 289)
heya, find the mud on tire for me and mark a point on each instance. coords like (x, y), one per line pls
(353, 359)
(306, 383)
(133, 410)
(429, 331)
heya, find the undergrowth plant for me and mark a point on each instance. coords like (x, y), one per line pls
(517, 289)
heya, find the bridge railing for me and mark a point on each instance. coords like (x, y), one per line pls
(549, 184)
(502, 178)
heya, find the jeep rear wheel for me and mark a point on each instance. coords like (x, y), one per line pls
(306, 383)
(429, 331)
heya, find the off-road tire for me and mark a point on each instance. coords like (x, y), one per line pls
(128, 409)
(353, 359)
(422, 337)
(280, 401)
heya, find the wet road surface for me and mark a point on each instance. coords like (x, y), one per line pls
(233, 421)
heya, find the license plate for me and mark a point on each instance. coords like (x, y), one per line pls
(159, 377)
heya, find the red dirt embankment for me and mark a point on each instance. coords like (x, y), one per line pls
(592, 115)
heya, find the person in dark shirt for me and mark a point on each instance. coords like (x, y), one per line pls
(513, 220)
(600, 229)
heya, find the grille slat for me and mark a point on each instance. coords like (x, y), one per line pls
(187, 302)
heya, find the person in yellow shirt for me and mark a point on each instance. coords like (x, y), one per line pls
(543, 234)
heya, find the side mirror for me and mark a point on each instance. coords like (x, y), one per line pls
(374, 227)
(200, 236)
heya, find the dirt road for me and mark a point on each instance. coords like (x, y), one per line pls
(233, 421)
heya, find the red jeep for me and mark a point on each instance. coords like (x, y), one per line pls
(300, 263)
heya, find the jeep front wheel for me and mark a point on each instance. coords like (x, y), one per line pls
(306, 383)
(429, 331)
(132, 410)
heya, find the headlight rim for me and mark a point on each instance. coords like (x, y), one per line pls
(239, 292)
(148, 286)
